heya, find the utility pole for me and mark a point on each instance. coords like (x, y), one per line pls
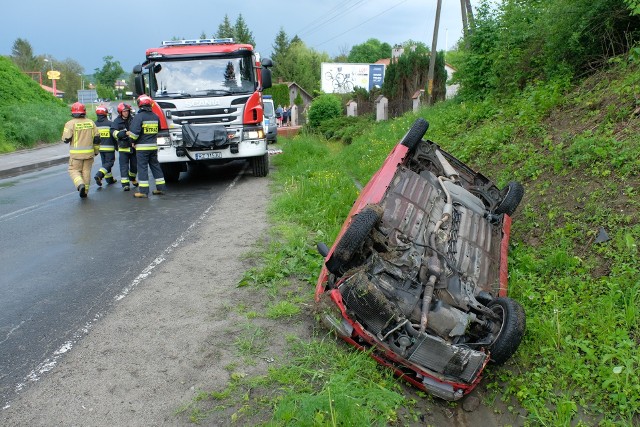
(432, 60)
(465, 23)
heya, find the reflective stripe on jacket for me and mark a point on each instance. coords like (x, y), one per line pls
(107, 141)
(144, 130)
(83, 135)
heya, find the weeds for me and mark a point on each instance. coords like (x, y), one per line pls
(579, 361)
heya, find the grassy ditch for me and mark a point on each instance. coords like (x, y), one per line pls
(575, 151)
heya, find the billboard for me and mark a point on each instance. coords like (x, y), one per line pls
(345, 77)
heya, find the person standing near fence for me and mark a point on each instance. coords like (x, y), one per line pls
(83, 138)
(144, 134)
(279, 112)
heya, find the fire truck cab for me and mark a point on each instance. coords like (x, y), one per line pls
(208, 95)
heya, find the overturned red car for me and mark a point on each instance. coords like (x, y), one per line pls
(418, 272)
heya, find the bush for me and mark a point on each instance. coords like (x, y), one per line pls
(323, 108)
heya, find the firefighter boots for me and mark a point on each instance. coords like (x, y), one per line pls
(140, 195)
(98, 179)
(83, 190)
(158, 192)
(126, 188)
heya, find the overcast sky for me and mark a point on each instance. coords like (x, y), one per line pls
(89, 30)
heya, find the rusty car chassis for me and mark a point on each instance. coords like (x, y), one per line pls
(418, 273)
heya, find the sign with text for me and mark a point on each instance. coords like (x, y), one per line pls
(345, 77)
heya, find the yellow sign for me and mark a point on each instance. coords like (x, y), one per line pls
(53, 75)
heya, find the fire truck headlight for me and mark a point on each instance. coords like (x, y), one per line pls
(255, 134)
(163, 140)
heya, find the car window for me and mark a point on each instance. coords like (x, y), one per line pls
(268, 108)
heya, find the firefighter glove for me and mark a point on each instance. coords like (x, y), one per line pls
(122, 134)
(66, 141)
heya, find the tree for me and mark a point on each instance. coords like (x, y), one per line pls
(369, 52)
(22, 56)
(225, 30)
(302, 65)
(71, 76)
(280, 46)
(109, 73)
(241, 32)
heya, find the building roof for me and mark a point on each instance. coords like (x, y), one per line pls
(50, 89)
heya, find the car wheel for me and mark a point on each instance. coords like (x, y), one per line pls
(511, 197)
(415, 134)
(511, 331)
(353, 238)
(260, 165)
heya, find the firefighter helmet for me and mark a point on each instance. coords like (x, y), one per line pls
(122, 106)
(144, 100)
(101, 110)
(78, 108)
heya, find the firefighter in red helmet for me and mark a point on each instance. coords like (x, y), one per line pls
(108, 147)
(126, 152)
(83, 138)
(144, 132)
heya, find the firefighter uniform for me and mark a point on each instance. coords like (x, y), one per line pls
(143, 131)
(126, 153)
(83, 138)
(108, 148)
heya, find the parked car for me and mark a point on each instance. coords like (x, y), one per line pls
(418, 272)
(271, 125)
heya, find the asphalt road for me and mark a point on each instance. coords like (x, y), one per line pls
(66, 260)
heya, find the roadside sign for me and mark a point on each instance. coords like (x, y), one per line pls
(53, 75)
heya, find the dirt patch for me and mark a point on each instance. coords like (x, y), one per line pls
(172, 336)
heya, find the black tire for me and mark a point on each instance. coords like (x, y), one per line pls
(353, 238)
(170, 171)
(260, 165)
(415, 134)
(511, 329)
(511, 196)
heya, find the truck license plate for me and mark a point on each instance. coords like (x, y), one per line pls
(212, 155)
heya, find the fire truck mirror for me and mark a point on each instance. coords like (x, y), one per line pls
(266, 78)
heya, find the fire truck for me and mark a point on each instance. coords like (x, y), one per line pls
(208, 95)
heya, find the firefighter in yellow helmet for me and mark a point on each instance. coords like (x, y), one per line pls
(83, 138)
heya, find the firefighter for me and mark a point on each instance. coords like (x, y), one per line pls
(144, 132)
(127, 154)
(108, 147)
(83, 138)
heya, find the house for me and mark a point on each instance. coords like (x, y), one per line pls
(452, 89)
(294, 90)
(59, 93)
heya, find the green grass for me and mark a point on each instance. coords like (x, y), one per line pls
(28, 114)
(575, 151)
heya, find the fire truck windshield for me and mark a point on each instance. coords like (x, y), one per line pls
(204, 77)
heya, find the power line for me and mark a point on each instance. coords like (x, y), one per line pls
(361, 24)
(338, 12)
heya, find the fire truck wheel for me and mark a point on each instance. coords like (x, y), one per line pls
(260, 165)
(170, 171)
